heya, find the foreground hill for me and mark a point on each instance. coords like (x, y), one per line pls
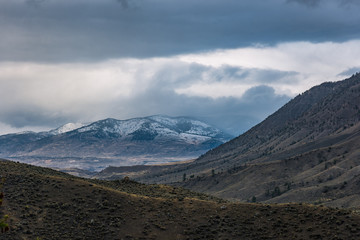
(45, 204)
(306, 151)
(114, 142)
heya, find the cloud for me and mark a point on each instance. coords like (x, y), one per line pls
(349, 72)
(34, 3)
(317, 3)
(49, 95)
(233, 89)
(77, 31)
(296, 66)
(308, 3)
(124, 3)
(6, 129)
(225, 80)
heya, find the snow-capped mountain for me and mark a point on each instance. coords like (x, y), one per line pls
(154, 139)
(149, 128)
(66, 128)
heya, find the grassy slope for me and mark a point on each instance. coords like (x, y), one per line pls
(51, 205)
(327, 175)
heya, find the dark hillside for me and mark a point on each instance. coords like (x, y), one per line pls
(45, 204)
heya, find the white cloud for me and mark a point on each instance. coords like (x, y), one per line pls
(37, 94)
(5, 129)
(315, 62)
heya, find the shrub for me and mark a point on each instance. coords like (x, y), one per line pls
(4, 227)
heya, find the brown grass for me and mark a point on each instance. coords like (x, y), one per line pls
(51, 205)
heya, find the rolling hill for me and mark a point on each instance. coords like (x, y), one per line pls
(45, 204)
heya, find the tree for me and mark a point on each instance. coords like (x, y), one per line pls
(276, 192)
(184, 177)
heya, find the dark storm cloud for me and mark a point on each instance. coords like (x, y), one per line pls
(101, 29)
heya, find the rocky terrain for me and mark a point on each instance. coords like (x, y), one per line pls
(155, 139)
(45, 204)
(307, 151)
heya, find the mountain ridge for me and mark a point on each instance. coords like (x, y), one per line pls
(114, 142)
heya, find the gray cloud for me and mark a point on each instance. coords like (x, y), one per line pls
(349, 3)
(349, 72)
(124, 3)
(317, 3)
(66, 33)
(33, 116)
(51, 101)
(234, 115)
(309, 3)
(34, 3)
(92, 30)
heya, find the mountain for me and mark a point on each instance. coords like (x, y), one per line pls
(307, 151)
(154, 139)
(45, 204)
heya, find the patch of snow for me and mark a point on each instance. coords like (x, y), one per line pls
(66, 128)
(164, 126)
(23, 132)
(164, 120)
(193, 139)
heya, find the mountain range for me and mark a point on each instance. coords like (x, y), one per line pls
(94, 146)
(307, 151)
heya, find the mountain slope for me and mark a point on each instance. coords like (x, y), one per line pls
(306, 151)
(45, 204)
(322, 111)
(115, 142)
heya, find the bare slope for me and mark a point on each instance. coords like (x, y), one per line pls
(46, 204)
(327, 175)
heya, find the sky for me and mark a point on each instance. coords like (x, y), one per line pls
(230, 63)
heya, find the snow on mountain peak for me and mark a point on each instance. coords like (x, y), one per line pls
(158, 126)
(66, 128)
